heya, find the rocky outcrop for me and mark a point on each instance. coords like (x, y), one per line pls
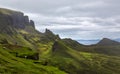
(15, 19)
(32, 23)
(50, 36)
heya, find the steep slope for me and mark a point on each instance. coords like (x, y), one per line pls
(72, 43)
(108, 46)
(105, 46)
(16, 28)
(14, 18)
(17, 33)
(25, 50)
(74, 62)
(10, 64)
(49, 36)
(107, 42)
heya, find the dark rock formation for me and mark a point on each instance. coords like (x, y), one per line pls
(51, 35)
(54, 47)
(32, 23)
(14, 19)
(26, 20)
(18, 20)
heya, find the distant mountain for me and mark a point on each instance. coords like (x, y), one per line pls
(108, 42)
(24, 50)
(105, 46)
(91, 42)
(82, 61)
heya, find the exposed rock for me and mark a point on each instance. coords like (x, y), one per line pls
(18, 20)
(54, 47)
(26, 20)
(32, 23)
(51, 35)
(14, 18)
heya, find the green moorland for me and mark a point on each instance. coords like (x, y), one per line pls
(12, 64)
(27, 51)
(74, 62)
(61, 60)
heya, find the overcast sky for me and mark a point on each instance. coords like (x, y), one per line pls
(76, 19)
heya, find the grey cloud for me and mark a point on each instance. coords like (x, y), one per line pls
(78, 19)
(71, 7)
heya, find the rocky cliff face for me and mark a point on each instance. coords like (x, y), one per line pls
(17, 28)
(14, 19)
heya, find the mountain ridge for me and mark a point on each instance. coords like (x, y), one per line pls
(47, 53)
(106, 41)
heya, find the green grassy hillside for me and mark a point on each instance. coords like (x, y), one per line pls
(77, 62)
(105, 46)
(24, 50)
(10, 64)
